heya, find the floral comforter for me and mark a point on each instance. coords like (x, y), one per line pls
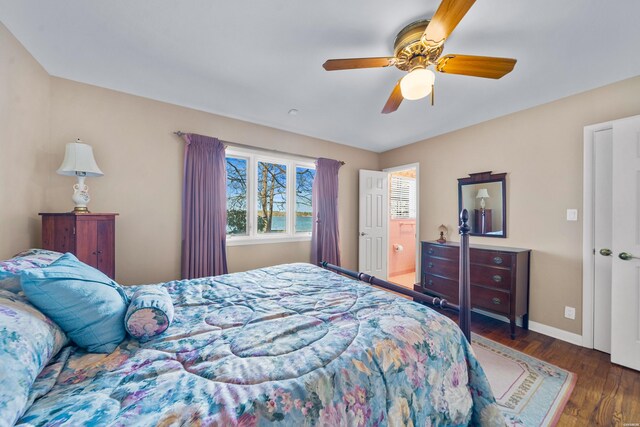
(287, 345)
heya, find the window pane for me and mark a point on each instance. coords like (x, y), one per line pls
(304, 181)
(236, 196)
(402, 200)
(272, 198)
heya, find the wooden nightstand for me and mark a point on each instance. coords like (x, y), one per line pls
(89, 236)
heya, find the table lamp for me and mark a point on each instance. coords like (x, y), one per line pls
(78, 161)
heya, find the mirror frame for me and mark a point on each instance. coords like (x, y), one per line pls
(480, 178)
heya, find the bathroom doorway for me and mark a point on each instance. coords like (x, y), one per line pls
(403, 225)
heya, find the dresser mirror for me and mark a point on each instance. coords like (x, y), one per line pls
(483, 195)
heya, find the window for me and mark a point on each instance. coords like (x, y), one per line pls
(304, 181)
(272, 198)
(236, 196)
(268, 198)
(402, 201)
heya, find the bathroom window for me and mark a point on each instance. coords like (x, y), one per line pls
(402, 202)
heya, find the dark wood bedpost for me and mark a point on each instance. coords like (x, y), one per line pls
(465, 287)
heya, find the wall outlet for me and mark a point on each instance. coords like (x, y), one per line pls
(570, 312)
(572, 214)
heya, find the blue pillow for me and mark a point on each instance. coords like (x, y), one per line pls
(150, 312)
(84, 302)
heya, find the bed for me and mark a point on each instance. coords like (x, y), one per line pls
(285, 345)
(293, 345)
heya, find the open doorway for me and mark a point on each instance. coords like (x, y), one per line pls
(403, 224)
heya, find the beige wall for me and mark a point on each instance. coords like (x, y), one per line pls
(142, 161)
(541, 150)
(24, 135)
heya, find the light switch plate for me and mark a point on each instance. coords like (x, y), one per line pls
(572, 214)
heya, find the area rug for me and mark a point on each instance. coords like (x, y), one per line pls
(530, 392)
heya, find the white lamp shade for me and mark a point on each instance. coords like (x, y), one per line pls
(417, 84)
(482, 193)
(78, 160)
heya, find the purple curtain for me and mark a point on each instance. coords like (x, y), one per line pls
(325, 238)
(204, 208)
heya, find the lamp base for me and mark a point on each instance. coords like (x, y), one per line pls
(80, 196)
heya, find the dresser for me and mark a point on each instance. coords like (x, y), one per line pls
(499, 278)
(89, 236)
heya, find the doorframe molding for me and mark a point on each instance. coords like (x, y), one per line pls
(415, 166)
(588, 261)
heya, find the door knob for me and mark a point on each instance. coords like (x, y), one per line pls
(625, 256)
(362, 233)
(605, 252)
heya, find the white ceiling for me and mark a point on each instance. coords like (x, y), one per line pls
(255, 59)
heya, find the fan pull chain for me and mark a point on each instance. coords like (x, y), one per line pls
(433, 100)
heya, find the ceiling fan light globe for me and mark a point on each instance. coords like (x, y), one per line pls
(417, 84)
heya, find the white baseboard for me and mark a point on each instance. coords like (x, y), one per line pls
(560, 334)
(549, 331)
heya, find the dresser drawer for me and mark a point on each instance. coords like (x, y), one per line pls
(490, 276)
(442, 267)
(499, 259)
(490, 299)
(441, 252)
(444, 287)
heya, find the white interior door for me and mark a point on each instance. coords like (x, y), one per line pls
(602, 220)
(374, 212)
(625, 291)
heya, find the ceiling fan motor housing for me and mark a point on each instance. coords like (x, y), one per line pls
(409, 50)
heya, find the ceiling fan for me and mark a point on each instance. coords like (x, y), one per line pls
(418, 46)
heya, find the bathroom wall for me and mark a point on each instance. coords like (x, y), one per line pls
(402, 232)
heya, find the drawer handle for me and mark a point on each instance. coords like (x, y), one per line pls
(497, 278)
(496, 301)
(430, 282)
(497, 260)
(430, 265)
(430, 251)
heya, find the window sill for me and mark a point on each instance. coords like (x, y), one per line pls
(243, 241)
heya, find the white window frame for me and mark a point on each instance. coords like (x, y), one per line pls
(292, 163)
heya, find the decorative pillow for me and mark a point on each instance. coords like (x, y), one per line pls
(10, 269)
(28, 340)
(88, 306)
(150, 312)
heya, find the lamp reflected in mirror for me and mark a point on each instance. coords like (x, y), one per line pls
(483, 193)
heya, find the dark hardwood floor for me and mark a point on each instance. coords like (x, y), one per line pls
(605, 394)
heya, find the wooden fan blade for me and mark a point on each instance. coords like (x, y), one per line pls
(477, 66)
(354, 63)
(394, 100)
(445, 20)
